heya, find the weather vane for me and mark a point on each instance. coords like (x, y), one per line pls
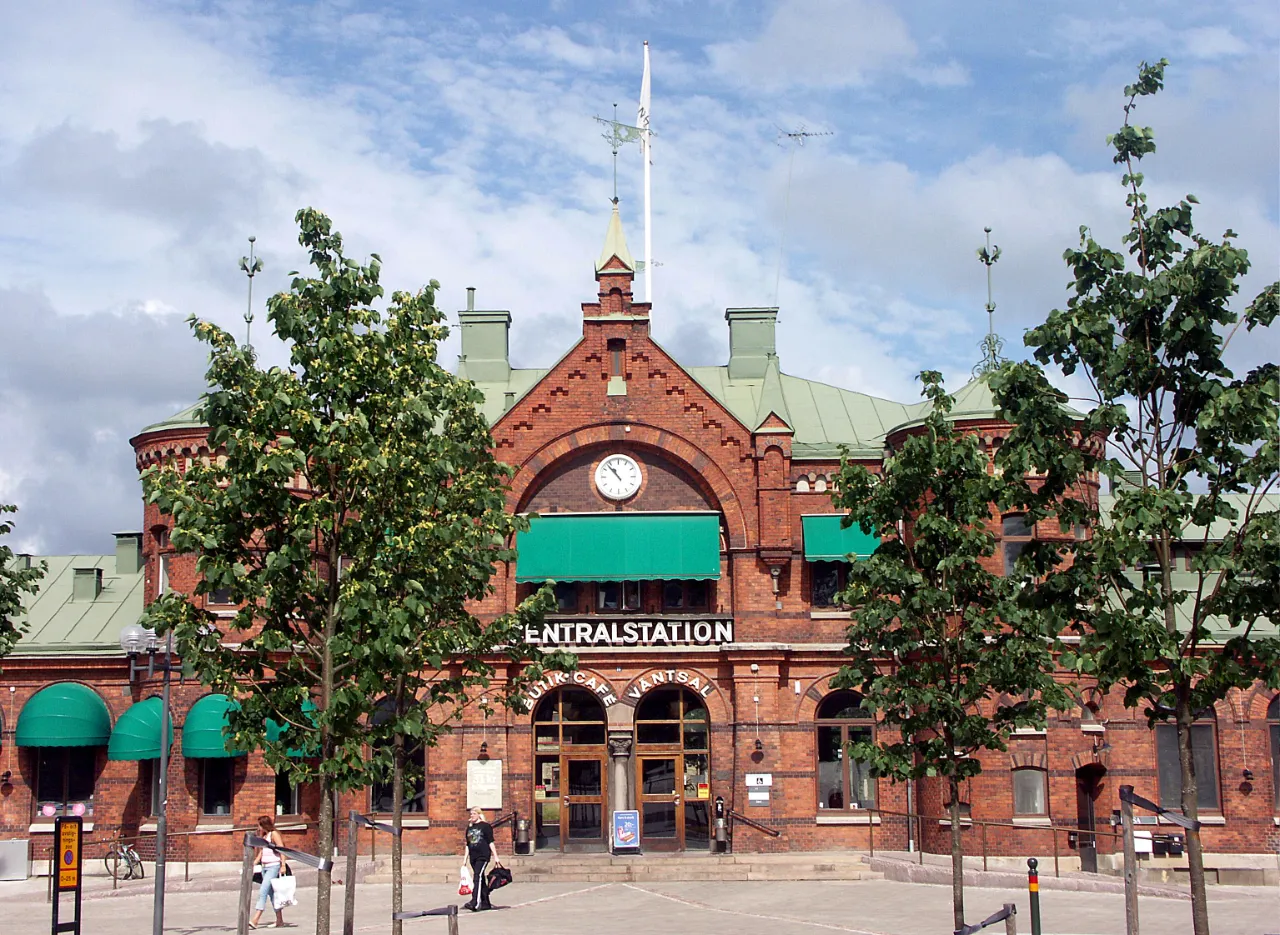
(251, 266)
(795, 139)
(618, 135)
(992, 344)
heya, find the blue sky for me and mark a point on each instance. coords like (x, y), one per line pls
(142, 142)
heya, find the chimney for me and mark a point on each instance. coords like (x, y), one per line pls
(87, 584)
(751, 341)
(22, 560)
(128, 553)
(485, 347)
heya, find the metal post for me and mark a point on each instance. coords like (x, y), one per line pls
(246, 885)
(186, 863)
(1033, 891)
(349, 897)
(1130, 863)
(984, 847)
(1011, 920)
(453, 920)
(871, 830)
(162, 841)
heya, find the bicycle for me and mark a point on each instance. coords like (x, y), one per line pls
(123, 859)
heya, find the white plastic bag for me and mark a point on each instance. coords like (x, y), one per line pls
(465, 880)
(283, 890)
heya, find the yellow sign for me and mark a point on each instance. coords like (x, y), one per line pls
(704, 790)
(68, 854)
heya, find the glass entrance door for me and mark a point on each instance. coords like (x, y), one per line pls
(661, 817)
(582, 814)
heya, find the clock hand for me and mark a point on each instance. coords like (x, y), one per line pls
(615, 472)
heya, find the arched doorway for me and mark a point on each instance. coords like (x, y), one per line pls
(1088, 789)
(569, 766)
(673, 770)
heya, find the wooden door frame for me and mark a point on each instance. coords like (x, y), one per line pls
(676, 843)
(567, 844)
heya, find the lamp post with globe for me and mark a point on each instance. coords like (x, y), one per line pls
(135, 640)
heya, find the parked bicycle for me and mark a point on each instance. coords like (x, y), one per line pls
(123, 861)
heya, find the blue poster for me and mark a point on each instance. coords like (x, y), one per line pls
(626, 829)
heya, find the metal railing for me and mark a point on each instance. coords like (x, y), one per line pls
(982, 825)
(752, 823)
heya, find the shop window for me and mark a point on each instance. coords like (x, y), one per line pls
(844, 783)
(1204, 755)
(64, 780)
(568, 718)
(288, 796)
(567, 597)
(827, 580)
(1273, 726)
(216, 778)
(415, 764)
(618, 595)
(673, 717)
(1030, 791)
(1016, 533)
(151, 784)
(684, 595)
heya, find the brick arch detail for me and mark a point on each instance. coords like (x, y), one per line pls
(1091, 757)
(817, 689)
(671, 446)
(717, 701)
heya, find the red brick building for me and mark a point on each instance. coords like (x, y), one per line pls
(686, 514)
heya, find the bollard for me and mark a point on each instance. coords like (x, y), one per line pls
(1011, 919)
(1033, 891)
(349, 894)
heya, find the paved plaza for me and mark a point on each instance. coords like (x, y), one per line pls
(872, 907)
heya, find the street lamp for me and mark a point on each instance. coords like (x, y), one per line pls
(134, 640)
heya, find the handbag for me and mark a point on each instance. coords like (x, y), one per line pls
(465, 880)
(498, 878)
(257, 873)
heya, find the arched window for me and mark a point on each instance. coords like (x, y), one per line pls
(569, 732)
(568, 718)
(1030, 792)
(1273, 726)
(844, 783)
(672, 717)
(415, 765)
(673, 780)
(1204, 753)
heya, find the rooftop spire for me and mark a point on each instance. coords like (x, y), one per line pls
(992, 344)
(615, 243)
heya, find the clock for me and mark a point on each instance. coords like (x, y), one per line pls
(618, 477)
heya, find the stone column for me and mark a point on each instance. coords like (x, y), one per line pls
(620, 782)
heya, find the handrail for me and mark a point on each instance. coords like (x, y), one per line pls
(738, 816)
(510, 816)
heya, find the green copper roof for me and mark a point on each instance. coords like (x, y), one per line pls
(137, 733)
(66, 714)
(186, 419)
(58, 623)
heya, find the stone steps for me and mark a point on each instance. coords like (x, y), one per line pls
(658, 868)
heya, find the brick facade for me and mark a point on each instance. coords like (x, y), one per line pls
(761, 692)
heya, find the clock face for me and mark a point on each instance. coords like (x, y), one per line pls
(618, 477)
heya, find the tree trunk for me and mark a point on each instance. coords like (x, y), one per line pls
(397, 814)
(326, 850)
(957, 856)
(1184, 717)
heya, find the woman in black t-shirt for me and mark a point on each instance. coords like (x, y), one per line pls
(479, 851)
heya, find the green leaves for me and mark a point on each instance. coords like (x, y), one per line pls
(15, 580)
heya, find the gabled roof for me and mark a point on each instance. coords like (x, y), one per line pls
(59, 624)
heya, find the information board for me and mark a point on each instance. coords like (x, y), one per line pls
(626, 830)
(68, 838)
(484, 784)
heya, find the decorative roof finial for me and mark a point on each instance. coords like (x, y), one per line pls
(251, 266)
(616, 136)
(992, 344)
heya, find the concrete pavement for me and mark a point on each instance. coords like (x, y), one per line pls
(869, 907)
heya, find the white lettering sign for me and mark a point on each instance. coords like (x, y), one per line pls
(755, 780)
(596, 632)
(581, 677)
(758, 797)
(484, 784)
(691, 680)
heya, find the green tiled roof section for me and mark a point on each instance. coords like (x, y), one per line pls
(186, 419)
(60, 625)
(66, 714)
(1269, 503)
(137, 732)
(204, 733)
(826, 540)
(620, 547)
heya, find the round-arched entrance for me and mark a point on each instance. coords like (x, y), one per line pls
(569, 771)
(673, 770)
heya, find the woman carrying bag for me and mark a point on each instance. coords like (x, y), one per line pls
(274, 865)
(479, 851)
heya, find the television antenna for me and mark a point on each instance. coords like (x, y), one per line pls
(793, 140)
(251, 266)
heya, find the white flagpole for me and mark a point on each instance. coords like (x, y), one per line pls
(646, 150)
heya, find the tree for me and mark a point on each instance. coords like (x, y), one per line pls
(952, 655)
(15, 581)
(351, 506)
(1192, 452)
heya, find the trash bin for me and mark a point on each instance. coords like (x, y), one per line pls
(522, 835)
(15, 860)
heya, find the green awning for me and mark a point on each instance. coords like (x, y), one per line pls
(825, 541)
(205, 732)
(67, 714)
(307, 745)
(620, 547)
(137, 733)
